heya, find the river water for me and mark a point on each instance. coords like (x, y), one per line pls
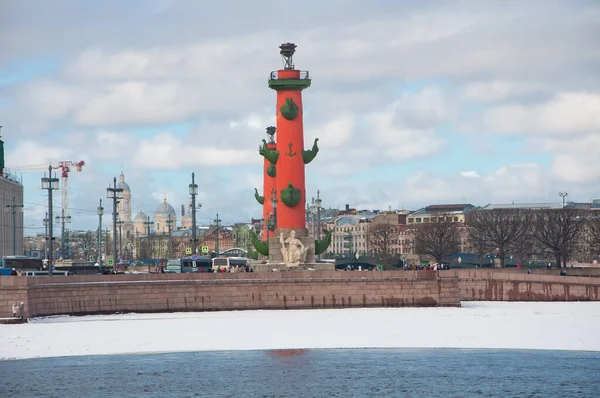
(309, 373)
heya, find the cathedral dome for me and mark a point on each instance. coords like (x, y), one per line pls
(122, 184)
(164, 210)
(141, 217)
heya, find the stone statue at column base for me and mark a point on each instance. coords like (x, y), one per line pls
(293, 250)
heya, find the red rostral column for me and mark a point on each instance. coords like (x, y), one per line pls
(269, 173)
(290, 182)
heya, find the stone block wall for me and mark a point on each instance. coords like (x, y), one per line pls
(95, 294)
(491, 285)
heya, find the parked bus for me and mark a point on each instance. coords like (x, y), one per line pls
(218, 263)
(239, 261)
(200, 264)
(22, 263)
(45, 273)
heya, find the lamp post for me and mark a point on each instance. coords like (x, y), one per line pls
(50, 184)
(193, 191)
(120, 224)
(274, 207)
(64, 250)
(318, 205)
(115, 194)
(563, 195)
(100, 213)
(12, 208)
(46, 236)
(170, 228)
(312, 214)
(148, 225)
(217, 221)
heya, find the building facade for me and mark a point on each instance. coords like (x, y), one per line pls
(457, 213)
(11, 225)
(350, 234)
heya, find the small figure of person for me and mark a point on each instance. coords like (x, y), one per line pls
(13, 272)
(529, 270)
(15, 307)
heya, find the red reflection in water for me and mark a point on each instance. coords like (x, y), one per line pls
(293, 357)
(287, 353)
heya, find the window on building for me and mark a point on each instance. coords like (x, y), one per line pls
(455, 219)
(418, 219)
(425, 219)
(410, 220)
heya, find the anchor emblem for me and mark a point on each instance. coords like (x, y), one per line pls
(290, 153)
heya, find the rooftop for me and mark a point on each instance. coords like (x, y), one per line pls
(555, 205)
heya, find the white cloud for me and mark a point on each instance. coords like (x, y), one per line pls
(514, 182)
(565, 113)
(497, 90)
(469, 174)
(335, 133)
(165, 151)
(352, 143)
(575, 159)
(32, 153)
(392, 138)
(139, 102)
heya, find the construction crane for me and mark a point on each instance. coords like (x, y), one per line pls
(65, 167)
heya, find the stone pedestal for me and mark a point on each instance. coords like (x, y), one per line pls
(280, 267)
(275, 255)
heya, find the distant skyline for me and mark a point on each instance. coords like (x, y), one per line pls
(414, 103)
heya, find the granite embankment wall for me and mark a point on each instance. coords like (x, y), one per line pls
(93, 294)
(500, 285)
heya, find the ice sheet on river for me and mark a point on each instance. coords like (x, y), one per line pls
(518, 325)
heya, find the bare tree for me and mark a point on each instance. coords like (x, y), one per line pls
(88, 241)
(558, 231)
(526, 247)
(498, 229)
(592, 235)
(480, 250)
(380, 241)
(438, 238)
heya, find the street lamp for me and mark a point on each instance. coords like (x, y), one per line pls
(115, 194)
(170, 222)
(63, 241)
(217, 224)
(13, 208)
(46, 235)
(274, 207)
(193, 191)
(149, 225)
(563, 195)
(318, 205)
(100, 213)
(49, 183)
(120, 224)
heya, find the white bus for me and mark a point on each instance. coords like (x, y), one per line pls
(218, 263)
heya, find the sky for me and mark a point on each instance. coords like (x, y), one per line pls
(414, 103)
